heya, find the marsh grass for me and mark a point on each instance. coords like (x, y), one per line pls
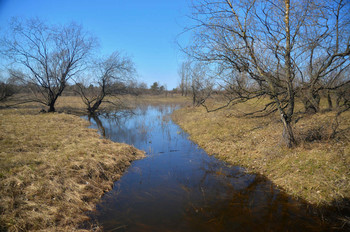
(53, 169)
(316, 170)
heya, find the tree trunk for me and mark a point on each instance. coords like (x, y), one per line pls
(51, 108)
(329, 99)
(52, 105)
(93, 109)
(99, 124)
(193, 96)
(311, 102)
(288, 135)
(287, 117)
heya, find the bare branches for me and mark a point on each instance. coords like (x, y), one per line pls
(327, 48)
(47, 56)
(254, 48)
(109, 72)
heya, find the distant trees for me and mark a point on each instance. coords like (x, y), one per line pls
(7, 88)
(46, 56)
(110, 74)
(6, 91)
(195, 81)
(156, 88)
(136, 88)
(184, 74)
(202, 83)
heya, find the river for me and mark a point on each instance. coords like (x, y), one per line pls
(178, 187)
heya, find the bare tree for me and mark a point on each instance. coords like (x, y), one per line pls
(326, 38)
(254, 41)
(200, 81)
(183, 72)
(46, 56)
(107, 72)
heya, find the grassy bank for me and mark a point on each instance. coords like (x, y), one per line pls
(53, 169)
(317, 170)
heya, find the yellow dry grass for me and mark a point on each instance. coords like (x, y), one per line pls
(75, 105)
(53, 169)
(317, 170)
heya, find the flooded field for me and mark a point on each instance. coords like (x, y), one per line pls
(178, 187)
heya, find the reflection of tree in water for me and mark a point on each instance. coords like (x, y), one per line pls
(133, 127)
(187, 190)
(98, 123)
(227, 199)
(112, 125)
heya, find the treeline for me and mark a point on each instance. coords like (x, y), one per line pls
(9, 90)
(279, 50)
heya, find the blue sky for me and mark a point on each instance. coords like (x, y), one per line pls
(144, 29)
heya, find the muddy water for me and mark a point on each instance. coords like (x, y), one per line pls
(178, 187)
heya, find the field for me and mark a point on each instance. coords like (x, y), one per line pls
(53, 169)
(74, 104)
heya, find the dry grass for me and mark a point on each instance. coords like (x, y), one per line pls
(317, 170)
(74, 104)
(53, 169)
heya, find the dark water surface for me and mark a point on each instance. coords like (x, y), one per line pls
(178, 187)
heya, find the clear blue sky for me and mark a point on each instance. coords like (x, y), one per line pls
(144, 29)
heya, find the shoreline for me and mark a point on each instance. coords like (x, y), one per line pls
(54, 169)
(315, 172)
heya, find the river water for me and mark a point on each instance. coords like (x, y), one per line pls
(178, 187)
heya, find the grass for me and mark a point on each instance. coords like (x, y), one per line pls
(317, 170)
(53, 169)
(74, 104)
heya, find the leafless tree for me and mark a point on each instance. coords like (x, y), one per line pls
(254, 41)
(326, 41)
(183, 72)
(46, 56)
(106, 73)
(200, 81)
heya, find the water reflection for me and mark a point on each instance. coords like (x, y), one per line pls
(178, 187)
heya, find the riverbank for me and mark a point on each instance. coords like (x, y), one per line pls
(317, 170)
(53, 169)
